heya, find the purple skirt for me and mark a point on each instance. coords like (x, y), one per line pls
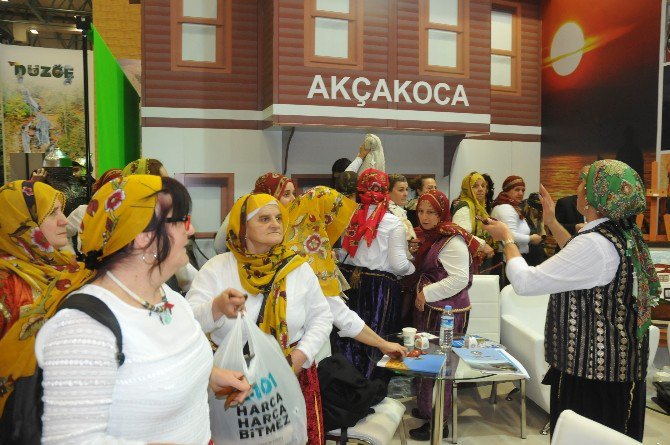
(429, 320)
(376, 297)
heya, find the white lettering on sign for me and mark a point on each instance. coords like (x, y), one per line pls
(422, 92)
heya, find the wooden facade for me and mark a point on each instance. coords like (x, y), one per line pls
(271, 76)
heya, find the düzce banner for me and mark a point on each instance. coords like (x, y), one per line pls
(42, 101)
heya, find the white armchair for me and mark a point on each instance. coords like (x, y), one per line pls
(522, 332)
(572, 428)
(485, 313)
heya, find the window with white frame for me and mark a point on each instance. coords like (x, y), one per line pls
(333, 33)
(504, 47)
(201, 34)
(442, 36)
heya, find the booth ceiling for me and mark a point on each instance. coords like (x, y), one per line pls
(52, 19)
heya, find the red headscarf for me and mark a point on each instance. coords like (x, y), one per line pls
(272, 184)
(373, 189)
(445, 228)
(503, 198)
(109, 175)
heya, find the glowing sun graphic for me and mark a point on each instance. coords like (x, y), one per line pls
(567, 48)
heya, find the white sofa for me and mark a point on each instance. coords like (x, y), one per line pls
(522, 332)
(485, 313)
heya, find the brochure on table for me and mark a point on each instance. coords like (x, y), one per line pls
(491, 361)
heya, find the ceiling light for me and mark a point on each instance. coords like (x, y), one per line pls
(33, 31)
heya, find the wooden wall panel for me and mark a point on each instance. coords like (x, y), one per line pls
(477, 84)
(267, 51)
(382, 59)
(162, 87)
(523, 108)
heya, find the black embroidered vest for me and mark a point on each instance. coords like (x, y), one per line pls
(591, 333)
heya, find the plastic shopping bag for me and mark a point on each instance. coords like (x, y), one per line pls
(274, 412)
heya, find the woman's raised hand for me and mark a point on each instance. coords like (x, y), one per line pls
(548, 207)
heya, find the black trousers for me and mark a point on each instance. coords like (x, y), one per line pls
(620, 406)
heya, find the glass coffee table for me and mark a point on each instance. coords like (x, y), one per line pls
(457, 371)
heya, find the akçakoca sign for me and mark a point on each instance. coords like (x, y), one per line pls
(420, 92)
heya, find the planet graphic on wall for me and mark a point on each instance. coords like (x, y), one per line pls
(569, 45)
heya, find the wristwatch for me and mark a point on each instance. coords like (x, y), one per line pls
(508, 241)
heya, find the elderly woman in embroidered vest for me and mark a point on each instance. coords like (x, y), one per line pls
(284, 295)
(603, 285)
(274, 184)
(133, 237)
(444, 268)
(373, 257)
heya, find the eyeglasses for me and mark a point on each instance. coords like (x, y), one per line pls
(185, 219)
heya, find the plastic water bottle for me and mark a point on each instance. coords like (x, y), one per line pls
(446, 330)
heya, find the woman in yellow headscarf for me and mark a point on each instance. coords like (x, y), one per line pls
(133, 237)
(283, 293)
(32, 230)
(470, 208)
(145, 166)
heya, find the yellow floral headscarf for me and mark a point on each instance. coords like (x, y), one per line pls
(143, 166)
(263, 273)
(467, 197)
(316, 220)
(116, 214)
(24, 250)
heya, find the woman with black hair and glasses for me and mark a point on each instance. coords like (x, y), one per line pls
(134, 237)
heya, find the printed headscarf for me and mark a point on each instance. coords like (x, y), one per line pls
(109, 175)
(467, 197)
(273, 184)
(24, 250)
(317, 219)
(616, 191)
(504, 198)
(143, 166)
(373, 189)
(263, 272)
(445, 228)
(116, 214)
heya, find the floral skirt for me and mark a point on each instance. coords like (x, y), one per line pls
(309, 384)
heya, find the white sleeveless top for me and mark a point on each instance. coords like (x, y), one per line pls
(159, 394)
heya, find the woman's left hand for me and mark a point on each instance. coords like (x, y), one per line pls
(298, 358)
(420, 301)
(225, 378)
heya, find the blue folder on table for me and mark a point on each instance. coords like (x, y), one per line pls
(427, 363)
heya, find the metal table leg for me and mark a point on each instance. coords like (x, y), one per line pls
(454, 413)
(438, 412)
(523, 408)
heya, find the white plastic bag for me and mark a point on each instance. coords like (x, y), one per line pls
(275, 412)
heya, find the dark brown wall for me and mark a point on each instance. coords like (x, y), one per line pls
(162, 87)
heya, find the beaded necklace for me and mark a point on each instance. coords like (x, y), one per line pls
(163, 309)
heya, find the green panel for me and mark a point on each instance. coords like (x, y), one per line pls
(117, 111)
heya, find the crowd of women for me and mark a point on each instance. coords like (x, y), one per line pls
(357, 259)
